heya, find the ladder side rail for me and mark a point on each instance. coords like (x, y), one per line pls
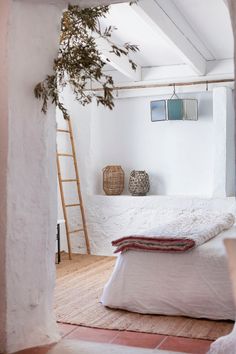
(63, 207)
(78, 189)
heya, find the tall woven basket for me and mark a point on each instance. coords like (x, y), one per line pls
(113, 180)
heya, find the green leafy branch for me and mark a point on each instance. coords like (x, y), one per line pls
(79, 59)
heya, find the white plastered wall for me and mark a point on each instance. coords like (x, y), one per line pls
(4, 15)
(177, 160)
(28, 215)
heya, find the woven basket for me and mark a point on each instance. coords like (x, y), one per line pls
(139, 183)
(113, 180)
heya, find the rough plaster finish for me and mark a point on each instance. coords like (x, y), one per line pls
(4, 17)
(113, 217)
(31, 186)
(110, 217)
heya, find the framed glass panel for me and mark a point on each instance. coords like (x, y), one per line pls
(175, 109)
(158, 111)
(190, 109)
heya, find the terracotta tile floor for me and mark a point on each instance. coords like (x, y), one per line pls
(126, 338)
(134, 339)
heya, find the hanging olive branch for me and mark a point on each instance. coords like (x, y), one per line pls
(79, 61)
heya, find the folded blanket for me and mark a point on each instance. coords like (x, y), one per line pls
(182, 234)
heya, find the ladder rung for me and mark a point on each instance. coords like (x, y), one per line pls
(63, 131)
(74, 231)
(70, 180)
(69, 155)
(71, 205)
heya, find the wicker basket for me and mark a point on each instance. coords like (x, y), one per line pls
(139, 183)
(113, 180)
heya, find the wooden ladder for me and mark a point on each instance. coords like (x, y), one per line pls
(71, 180)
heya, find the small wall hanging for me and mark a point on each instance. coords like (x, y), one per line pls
(174, 108)
(139, 183)
(158, 111)
(113, 180)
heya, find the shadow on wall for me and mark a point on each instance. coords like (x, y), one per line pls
(157, 184)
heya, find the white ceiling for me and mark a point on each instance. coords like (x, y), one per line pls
(211, 22)
(153, 48)
(208, 20)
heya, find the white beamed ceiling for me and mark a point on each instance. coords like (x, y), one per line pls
(211, 22)
(194, 33)
(154, 49)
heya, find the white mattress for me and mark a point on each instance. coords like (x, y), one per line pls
(194, 283)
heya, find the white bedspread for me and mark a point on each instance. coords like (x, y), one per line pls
(194, 284)
(179, 235)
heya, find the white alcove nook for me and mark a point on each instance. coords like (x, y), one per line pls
(189, 162)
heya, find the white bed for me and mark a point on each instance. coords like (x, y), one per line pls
(195, 283)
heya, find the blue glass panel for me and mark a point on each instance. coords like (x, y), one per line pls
(158, 110)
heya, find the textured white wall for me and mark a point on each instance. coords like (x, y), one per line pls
(4, 16)
(113, 217)
(179, 157)
(28, 230)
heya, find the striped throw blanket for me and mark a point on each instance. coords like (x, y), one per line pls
(180, 235)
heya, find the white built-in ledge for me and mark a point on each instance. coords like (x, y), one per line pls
(115, 204)
(156, 196)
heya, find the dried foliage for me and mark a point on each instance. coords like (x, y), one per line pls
(79, 61)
